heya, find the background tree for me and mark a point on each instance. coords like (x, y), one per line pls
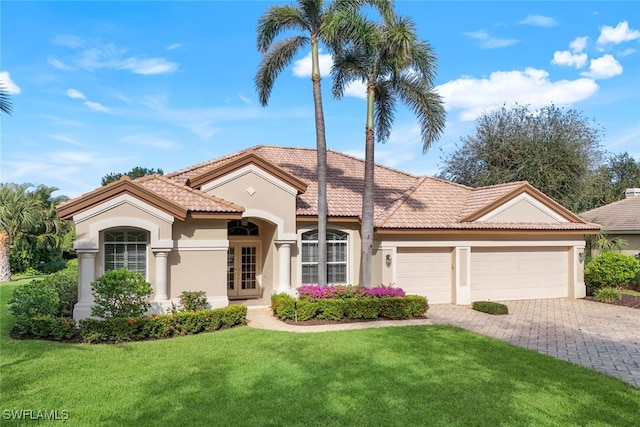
(620, 171)
(306, 18)
(394, 65)
(556, 150)
(20, 211)
(137, 172)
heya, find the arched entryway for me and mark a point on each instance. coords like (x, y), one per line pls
(244, 259)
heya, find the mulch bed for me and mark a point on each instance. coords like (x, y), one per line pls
(626, 301)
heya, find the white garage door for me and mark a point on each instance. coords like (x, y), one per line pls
(425, 271)
(519, 273)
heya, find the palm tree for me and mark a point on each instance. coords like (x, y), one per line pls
(394, 64)
(307, 17)
(20, 210)
(5, 101)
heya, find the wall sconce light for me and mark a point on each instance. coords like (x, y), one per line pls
(581, 257)
(388, 260)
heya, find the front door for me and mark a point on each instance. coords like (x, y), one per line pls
(243, 270)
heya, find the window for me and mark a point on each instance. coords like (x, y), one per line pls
(242, 228)
(126, 249)
(337, 250)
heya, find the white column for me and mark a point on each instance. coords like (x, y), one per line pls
(161, 276)
(82, 309)
(284, 267)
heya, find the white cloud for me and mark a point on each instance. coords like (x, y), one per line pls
(96, 106)
(474, 96)
(356, 89)
(245, 99)
(302, 67)
(487, 41)
(147, 66)
(539, 21)
(621, 33)
(75, 94)
(565, 57)
(94, 55)
(579, 44)
(174, 46)
(8, 84)
(603, 68)
(628, 51)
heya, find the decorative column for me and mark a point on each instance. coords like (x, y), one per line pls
(284, 267)
(161, 276)
(82, 309)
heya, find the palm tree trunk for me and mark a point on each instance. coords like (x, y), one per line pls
(5, 267)
(321, 146)
(366, 228)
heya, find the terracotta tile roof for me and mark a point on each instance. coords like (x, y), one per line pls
(192, 200)
(482, 196)
(623, 215)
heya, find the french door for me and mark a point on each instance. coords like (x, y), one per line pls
(243, 270)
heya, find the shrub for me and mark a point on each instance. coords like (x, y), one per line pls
(44, 327)
(65, 283)
(118, 329)
(120, 293)
(330, 309)
(193, 300)
(283, 306)
(490, 307)
(362, 308)
(607, 295)
(314, 292)
(35, 298)
(610, 270)
(408, 307)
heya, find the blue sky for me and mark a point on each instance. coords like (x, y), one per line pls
(101, 87)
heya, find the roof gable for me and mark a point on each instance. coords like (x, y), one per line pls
(248, 159)
(123, 186)
(531, 201)
(623, 215)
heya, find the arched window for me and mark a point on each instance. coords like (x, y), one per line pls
(242, 228)
(126, 248)
(337, 260)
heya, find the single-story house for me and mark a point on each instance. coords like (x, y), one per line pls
(620, 220)
(244, 226)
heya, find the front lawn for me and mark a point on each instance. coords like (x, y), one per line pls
(420, 375)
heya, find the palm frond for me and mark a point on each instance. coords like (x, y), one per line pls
(273, 62)
(5, 101)
(275, 21)
(385, 106)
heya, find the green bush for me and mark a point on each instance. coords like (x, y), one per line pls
(607, 295)
(490, 307)
(44, 327)
(362, 308)
(65, 283)
(120, 293)
(193, 300)
(408, 307)
(283, 306)
(35, 298)
(118, 329)
(330, 309)
(611, 270)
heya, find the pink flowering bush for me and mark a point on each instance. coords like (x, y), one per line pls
(314, 292)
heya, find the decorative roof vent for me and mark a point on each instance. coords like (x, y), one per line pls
(632, 192)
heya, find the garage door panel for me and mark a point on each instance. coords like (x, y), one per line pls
(519, 273)
(425, 271)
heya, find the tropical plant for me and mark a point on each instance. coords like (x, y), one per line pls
(394, 64)
(308, 18)
(5, 101)
(120, 293)
(20, 210)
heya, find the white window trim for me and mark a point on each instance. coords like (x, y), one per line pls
(122, 229)
(349, 240)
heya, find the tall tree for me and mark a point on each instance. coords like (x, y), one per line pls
(556, 150)
(137, 172)
(307, 18)
(394, 64)
(20, 210)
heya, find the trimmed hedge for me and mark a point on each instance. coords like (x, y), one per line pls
(45, 327)
(118, 329)
(490, 307)
(611, 270)
(287, 307)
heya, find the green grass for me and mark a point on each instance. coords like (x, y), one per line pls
(409, 376)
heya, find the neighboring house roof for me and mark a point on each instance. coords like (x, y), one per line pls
(402, 201)
(623, 215)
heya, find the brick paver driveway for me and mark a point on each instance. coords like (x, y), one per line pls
(598, 336)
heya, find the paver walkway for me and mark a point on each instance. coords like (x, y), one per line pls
(602, 337)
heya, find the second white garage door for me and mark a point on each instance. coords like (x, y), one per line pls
(519, 273)
(425, 271)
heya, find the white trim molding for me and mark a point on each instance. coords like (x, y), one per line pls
(122, 200)
(245, 170)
